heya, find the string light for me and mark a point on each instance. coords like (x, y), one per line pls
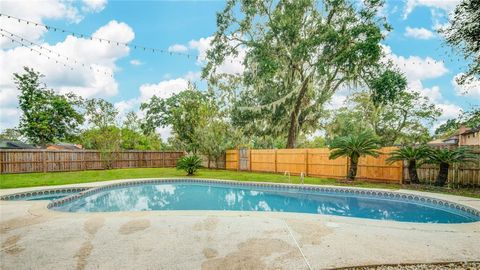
(118, 43)
(40, 46)
(31, 49)
(104, 40)
(25, 44)
(139, 47)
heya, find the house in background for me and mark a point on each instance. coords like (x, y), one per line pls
(462, 137)
(469, 136)
(10, 144)
(64, 146)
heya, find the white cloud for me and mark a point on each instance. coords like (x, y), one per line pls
(9, 117)
(444, 5)
(449, 110)
(136, 62)
(94, 79)
(470, 89)
(433, 93)
(94, 5)
(39, 11)
(163, 89)
(178, 48)
(231, 65)
(419, 33)
(415, 67)
(192, 76)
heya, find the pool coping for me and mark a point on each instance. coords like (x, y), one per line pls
(39, 192)
(424, 197)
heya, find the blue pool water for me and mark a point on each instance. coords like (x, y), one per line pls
(203, 196)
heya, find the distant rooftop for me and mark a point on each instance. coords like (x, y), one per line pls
(10, 144)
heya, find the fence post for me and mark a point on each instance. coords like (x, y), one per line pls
(1, 162)
(82, 160)
(249, 159)
(306, 161)
(238, 159)
(44, 154)
(276, 170)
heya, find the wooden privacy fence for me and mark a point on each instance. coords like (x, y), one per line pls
(38, 160)
(460, 175)
(315, 162)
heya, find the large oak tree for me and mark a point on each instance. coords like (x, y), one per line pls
(297, 55)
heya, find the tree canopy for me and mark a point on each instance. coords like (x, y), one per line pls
(463, 34)
(184, 112)
(406, 120)
(297, 55)
(47, 117)
(469, 118)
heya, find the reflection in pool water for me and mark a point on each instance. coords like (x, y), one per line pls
(199, 196)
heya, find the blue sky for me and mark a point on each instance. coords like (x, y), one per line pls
(184, 26)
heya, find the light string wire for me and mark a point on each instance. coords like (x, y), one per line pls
(118, 43)
(136, 46)
(23, 44)
(28, 43)
(76, 34)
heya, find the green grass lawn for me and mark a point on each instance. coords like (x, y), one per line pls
(62, 178)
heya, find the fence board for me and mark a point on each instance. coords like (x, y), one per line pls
(321, 166)
(376, 168)
(38, 160)
(262, 160)
(231, 159)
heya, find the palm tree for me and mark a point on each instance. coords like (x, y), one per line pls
(354, 146)
(445, 157)
(414, 156)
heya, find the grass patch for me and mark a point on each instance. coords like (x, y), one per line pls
(63, 178)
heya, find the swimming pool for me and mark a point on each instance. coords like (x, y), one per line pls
(241, 196)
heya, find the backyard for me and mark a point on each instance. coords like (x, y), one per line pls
(65, 178)
(243, 135)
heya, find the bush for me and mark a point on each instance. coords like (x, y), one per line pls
(189, 163)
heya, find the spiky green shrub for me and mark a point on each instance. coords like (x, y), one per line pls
(190, 164)
(445, 157)
(414, 155)
(354, 146)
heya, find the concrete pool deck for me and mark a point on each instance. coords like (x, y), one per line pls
(32, 236)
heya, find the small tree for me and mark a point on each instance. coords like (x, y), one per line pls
(414, 156)
(354, 146)
(104, 135)
(445, 157)
(184, 112)
(214, 139)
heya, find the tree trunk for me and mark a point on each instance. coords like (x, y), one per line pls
(209, 162)
(293, 129)
(352, 171)
(442, 175)
(412, 172)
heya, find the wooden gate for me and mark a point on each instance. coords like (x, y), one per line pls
(244, 159)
